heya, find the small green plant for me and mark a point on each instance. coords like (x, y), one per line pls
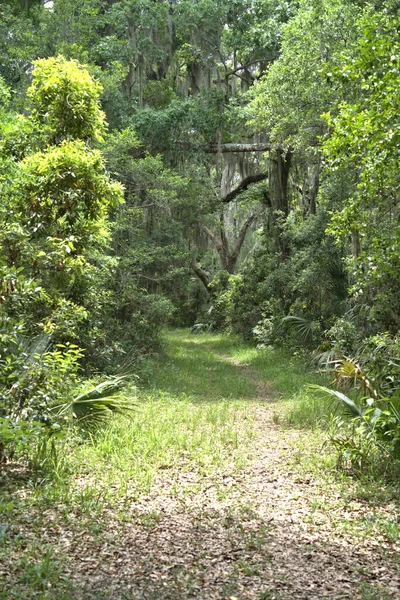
(306, 330)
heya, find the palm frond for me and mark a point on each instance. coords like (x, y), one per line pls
(349, 369)
(109, 387)
(350, 406)
(327, 360)
(304, 327)
(95, 404)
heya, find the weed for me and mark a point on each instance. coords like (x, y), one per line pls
(370, 592)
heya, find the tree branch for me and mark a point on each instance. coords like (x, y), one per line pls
(213, 237)
(261, 147)
(243, 185)
(242, 236)
(246, 66)
(140, 152)
(201, 274)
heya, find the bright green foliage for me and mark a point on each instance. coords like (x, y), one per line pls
(65, 99)
(290, 99)
(55, 210)
(55, 204)
(64, 193)
(366, 136)
(20, 136)
(91, 269)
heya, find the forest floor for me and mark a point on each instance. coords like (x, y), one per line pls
(217, 489)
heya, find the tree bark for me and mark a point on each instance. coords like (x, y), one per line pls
(201, 274)
(279, 169)
(243, 185)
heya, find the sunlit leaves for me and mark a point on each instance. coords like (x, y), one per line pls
(64, 190)
(65, 98)
(365, 138)
(289, 99)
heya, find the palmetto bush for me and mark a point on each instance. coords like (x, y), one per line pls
(94, 403)
(370, 421)
(41, 394)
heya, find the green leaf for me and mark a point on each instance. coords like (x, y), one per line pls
(348, 402)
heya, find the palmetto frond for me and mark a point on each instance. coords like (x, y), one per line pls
(347, 370)
(304, 327)
(350, 406)
(350, 370)
(95, 404)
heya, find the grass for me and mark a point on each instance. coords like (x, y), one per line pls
(163, 430)
(180, 422)
(194, 369)
(193, 414)
(290, 375)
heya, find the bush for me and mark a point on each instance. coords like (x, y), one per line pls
(343, 336)
(33, 378)
(372, 426)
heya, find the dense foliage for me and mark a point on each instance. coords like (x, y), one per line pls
(256, 143)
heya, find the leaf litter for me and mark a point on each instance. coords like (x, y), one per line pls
(268, 531)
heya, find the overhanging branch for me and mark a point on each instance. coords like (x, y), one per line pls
(140, 152)
(243, 185)
(201, 274)
(261, 147)
(246, 66)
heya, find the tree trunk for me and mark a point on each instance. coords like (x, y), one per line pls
(312, 188)
(229, 257)
(278, 177)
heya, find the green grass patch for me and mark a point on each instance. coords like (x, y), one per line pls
(164, 430)
(290, 377)
(191, 366)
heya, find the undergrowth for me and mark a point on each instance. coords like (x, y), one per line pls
(193, 413)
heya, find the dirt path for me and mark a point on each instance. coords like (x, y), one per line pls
(258, 534)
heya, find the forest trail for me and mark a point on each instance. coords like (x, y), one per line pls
(234, 507)
(258, 531)
(171, 158)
